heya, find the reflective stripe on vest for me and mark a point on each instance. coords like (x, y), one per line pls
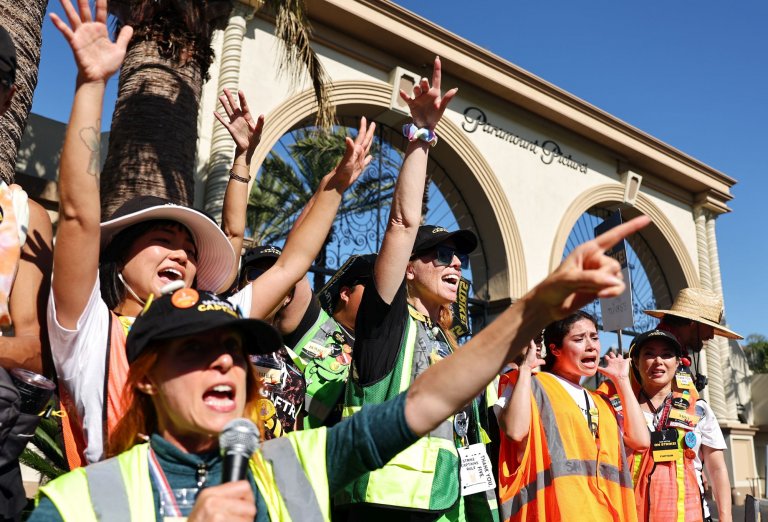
(107, 489)
(290, 491)
(560, 465)
(291, 481)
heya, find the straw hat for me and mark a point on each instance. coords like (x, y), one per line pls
(700, 305)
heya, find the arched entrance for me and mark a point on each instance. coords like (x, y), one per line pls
(464, 178)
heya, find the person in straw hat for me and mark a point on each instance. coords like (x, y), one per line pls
(695, 317)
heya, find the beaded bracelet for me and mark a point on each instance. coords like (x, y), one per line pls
(241, 179)
(413, 133)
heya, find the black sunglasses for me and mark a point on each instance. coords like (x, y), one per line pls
(444, 256)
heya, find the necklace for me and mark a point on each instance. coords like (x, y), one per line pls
(349, 335)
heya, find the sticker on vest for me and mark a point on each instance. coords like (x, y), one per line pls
(683, 419)
(616, 403)
(475, 470)
(684, 380)
(314, 350)
(664, 445)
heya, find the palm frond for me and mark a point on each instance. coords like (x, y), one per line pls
(293, 30)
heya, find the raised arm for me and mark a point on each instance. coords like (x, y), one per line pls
(586, 274)
(246, 133)
(28, 347)
(427, 107)
(76, 258)
(636, 434)
(515, 418)
(308, 236)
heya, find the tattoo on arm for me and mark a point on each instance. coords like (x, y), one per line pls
(91, 139)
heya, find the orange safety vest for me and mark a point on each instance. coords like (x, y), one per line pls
(115, 377)
(666, 491)
(564, 472)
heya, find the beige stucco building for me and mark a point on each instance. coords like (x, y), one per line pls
(523, 158)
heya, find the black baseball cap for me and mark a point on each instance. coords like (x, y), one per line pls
(356, 269)
(429, 236)
(653, 335)
(189, 312)
(253, 254)
(7, 56)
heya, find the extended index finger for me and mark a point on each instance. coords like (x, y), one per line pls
(609, 238)
(437, 73)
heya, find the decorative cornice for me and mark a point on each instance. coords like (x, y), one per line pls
(391, 29)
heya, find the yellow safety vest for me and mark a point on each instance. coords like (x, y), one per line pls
(290, 473)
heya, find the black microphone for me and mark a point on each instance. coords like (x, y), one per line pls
(238, 441)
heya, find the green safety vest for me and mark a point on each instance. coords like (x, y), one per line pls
(424, 476)
(290, 473)
(324, 374)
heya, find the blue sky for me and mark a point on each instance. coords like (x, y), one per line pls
(692, 74)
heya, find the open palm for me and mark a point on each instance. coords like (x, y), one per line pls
(96, 55)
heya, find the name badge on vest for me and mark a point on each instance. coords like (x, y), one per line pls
(683, 419)
(684, 380)
(616, 403)
(475, 471)
(664, 445)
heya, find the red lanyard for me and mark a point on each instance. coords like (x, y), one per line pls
(660, 422)
(167, 499)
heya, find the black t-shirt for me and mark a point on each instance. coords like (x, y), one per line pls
(310, 316)
(379, 330)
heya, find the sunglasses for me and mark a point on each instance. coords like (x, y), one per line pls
(444, 256)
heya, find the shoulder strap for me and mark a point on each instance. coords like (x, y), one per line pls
(105, 392)
(107, 488)
(295, 489)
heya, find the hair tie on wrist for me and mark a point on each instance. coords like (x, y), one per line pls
(413, 133)
(241, 179)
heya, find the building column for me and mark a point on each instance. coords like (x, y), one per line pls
(720, 344)
(222, 146)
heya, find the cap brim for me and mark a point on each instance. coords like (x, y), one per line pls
(216, 258)
(718, 328)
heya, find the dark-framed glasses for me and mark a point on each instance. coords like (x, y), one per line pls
(444, 256)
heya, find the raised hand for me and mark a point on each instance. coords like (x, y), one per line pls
(356, 156)
(532, 359)
(427, 105)
(587, 273)
(241, 126)
(97, 56)
(616, 367)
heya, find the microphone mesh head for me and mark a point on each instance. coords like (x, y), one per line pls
(239, 436)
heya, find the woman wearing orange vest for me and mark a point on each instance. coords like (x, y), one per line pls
(562, 450)
(104, 272)
(684, 433)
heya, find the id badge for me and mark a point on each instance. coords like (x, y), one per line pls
(684, 380)
(475, 471)
(664, 445)
(616, 403)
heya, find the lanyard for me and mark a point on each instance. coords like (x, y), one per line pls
(167, 499)
(659, 421)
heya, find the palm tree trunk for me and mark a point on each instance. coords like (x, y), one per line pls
(153, 138)
(24, 21)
